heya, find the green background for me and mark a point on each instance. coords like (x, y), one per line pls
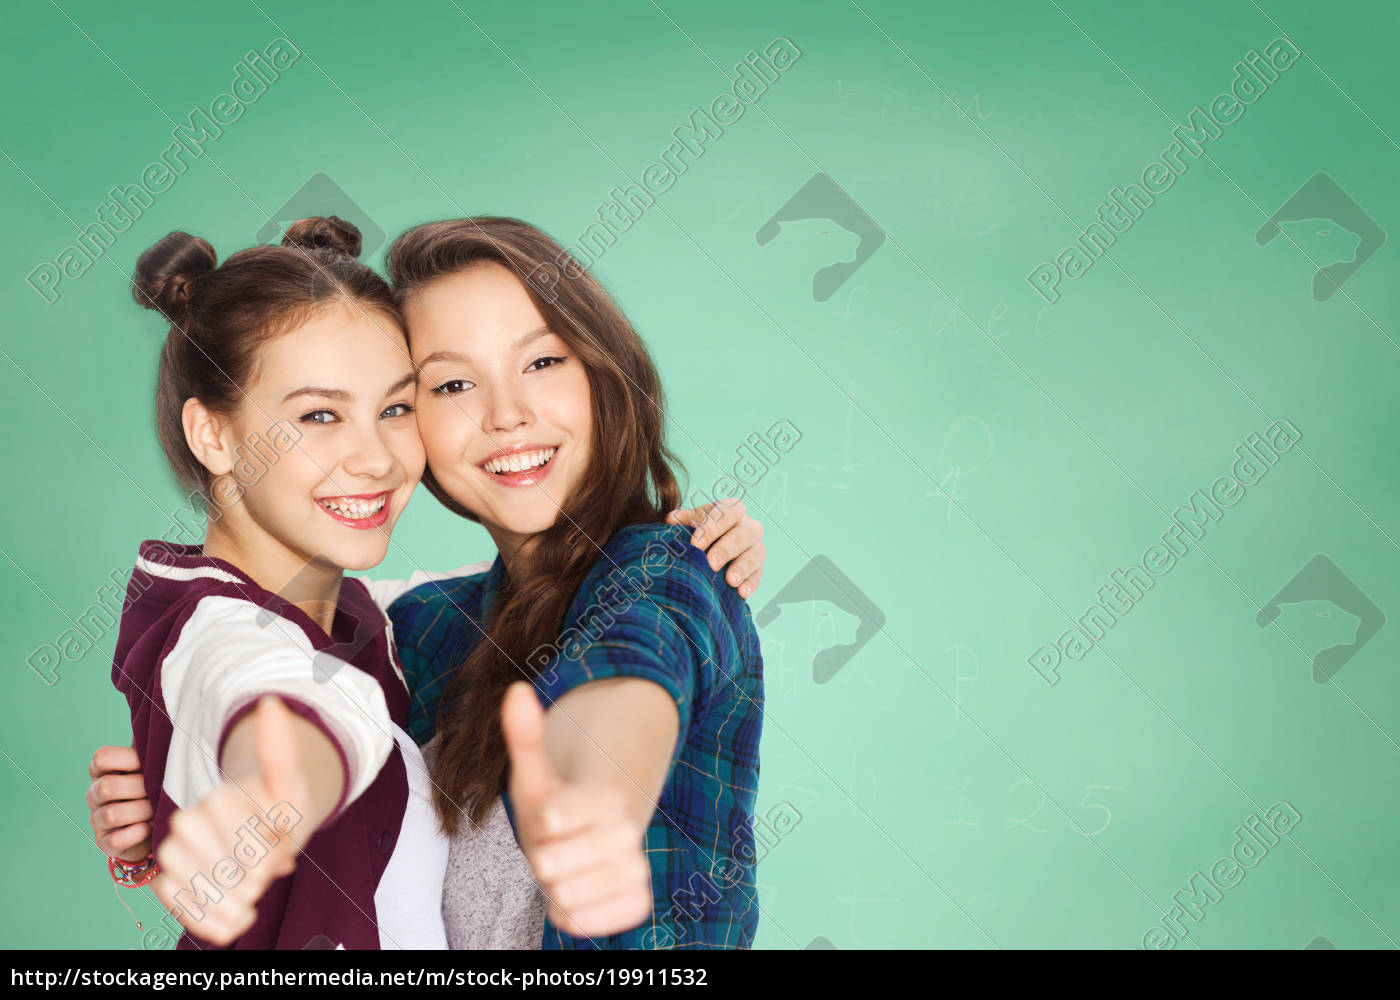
(949, 797)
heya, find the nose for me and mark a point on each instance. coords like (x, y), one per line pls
(506, 409)
(371, 457)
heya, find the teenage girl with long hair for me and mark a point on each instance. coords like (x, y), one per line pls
(542, 419)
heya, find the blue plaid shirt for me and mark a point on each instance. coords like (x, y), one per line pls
(651, 607)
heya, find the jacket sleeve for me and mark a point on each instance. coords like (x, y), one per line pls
(228, 654)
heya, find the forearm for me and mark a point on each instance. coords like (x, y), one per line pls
(620, 732)
(318, 761)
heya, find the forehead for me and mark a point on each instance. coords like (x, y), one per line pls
(483, 305)
(340, 346)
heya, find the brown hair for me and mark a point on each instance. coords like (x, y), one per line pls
(629, 481)
(220, 314)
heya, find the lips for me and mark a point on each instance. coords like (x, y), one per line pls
(368, 510)
(520, 465)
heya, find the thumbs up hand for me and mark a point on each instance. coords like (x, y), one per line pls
(218, 896)
(585, 851)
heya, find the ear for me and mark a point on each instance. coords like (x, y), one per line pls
(209, 437)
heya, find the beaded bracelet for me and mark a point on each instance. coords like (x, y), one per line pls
(133, 874)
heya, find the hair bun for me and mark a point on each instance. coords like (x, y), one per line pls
(166, 273)
(329, 232)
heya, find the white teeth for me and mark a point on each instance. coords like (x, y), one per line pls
(519, 463)
(348, 507)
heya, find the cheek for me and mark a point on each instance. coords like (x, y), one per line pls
(579, 402)
(443, 438)
(408, 450)
(282, 485)
(299, 471)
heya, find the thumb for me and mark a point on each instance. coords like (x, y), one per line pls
(279, 766)
(279, 762)
(685, 517)
(532, 777)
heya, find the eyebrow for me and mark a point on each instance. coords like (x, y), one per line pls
(524, 339)
(340, 395)
(534, 334)
(315, 390)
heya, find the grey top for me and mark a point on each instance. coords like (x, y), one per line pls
(489, 896)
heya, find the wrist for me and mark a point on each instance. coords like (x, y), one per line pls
(133, 874)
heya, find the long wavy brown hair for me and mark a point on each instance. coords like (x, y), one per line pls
(629, 480)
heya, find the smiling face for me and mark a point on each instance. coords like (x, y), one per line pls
(504, 406)
(344, 382)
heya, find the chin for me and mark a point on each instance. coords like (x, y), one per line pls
(354, 558)
(525, 526)
(359, 565)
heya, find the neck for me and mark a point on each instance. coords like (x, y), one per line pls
(312, 585)
(514, 550)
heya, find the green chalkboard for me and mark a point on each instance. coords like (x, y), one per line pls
(1080, 616)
